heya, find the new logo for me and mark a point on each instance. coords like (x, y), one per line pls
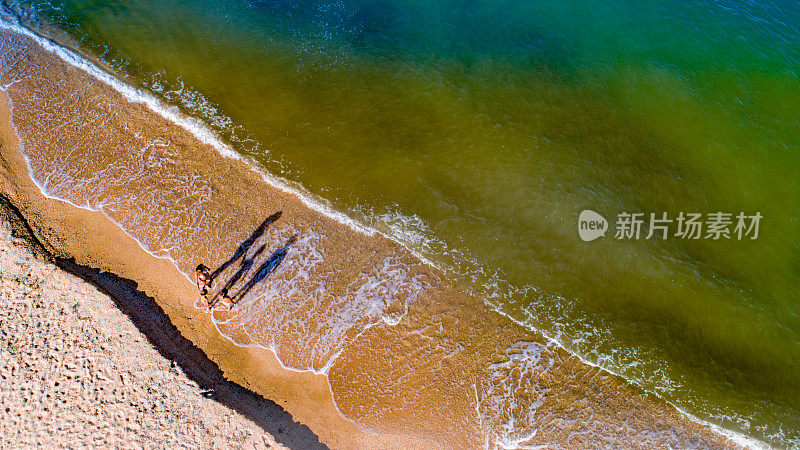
(591, 225)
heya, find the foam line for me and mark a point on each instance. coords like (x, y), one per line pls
(738, 438)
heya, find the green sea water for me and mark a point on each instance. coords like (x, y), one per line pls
(476, 132)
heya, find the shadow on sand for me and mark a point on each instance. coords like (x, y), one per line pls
(247, 261)
(244, 267)
(266, 268)
(244, 246)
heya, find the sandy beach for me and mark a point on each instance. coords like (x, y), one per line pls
(78, 371)
(416, 382)
(89, 244)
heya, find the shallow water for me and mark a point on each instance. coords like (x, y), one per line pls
(476, 132)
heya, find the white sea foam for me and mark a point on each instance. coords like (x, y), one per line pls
(361, 306)
(507, 422)
(735, 437)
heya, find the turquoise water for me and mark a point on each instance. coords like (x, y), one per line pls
(476, 132)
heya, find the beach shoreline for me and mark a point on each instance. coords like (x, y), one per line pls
(93, 241)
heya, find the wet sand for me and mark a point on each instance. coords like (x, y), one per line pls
(406, 354)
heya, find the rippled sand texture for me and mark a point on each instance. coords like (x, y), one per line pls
(404, 350)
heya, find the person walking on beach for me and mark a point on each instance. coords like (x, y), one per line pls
(202, 279)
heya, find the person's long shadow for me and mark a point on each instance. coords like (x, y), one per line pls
(265, 269)
(244, 267)
(244, 246)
